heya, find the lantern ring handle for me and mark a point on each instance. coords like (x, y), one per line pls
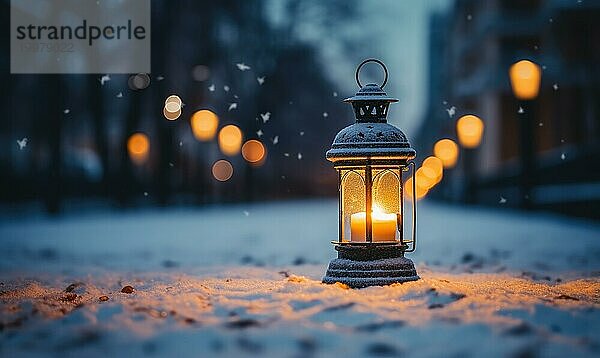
(376, 61)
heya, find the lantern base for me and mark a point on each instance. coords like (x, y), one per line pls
(381, 272)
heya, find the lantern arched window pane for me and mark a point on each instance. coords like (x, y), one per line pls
(352, 197)
(387, 194)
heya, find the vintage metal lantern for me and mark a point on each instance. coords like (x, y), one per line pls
(371, 157)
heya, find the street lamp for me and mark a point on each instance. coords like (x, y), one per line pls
(525, 77)
(370, 157)
(469, 129)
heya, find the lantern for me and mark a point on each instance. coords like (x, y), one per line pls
(371, 157)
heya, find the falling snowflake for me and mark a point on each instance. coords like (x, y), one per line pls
(246, 213)
(236, 96)
(180, 143)
(563, 156)
(259, 133)
(445, 103)
(334, 94)
(555, 86)
(469, 17)
(145, 193)
(299, 156)
(502, 200)
(283, 177)
(521, 110)
(103, 79)
(211, 87)
(544, 67)
(260, 80)
(291, 102)
(159, 78)
(286, 154)
(22, 143)
(242, 66)
(232, 106)
(451, 111)
(541, 124)
(562, 140)
(171, 164)
(67, 111)
(550, 20)
(265, 117)
(275, 139)
(301, 133)
(120, 95)
(325, 114)
(226, 88)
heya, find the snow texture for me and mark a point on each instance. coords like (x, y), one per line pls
(218, 282)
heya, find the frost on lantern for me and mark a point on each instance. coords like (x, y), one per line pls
(370, 157)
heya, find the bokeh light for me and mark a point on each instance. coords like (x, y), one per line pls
(447, 151)
(426, 178)
(173, 98)
(204, 125)
(408, 188)
(525, 77)
(171, 115)
(222, 170)
(138, 147)
(435, 164)
(230, 140)
(469, 129)
(254, 151)
(139, 81)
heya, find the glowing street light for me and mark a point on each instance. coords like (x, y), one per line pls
(230, 140)
(138, 147)
(447, 151)
(254, 152)
(204, 125)
(525, 77)
(371, 157)
(469, 129)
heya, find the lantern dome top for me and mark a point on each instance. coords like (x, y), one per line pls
(371, 137)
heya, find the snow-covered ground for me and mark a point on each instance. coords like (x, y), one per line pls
(245, 280)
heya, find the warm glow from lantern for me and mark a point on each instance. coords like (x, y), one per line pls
(435, 164)
(222, 170)
(230, 140)
(469, 129)
(383, 225)
(204, 125)
(408, 187)
(253, 151)
(525, 77)
(447, 151)
(138, 147)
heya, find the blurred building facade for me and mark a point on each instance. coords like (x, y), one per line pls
(472, 47)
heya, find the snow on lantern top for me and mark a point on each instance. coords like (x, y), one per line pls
(371, 137)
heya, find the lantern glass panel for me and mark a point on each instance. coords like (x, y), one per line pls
(387, 194)
(352, 197)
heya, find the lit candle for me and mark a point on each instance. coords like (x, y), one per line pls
(384, 226)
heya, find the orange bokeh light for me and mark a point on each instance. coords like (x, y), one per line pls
(469, 129)
(138, 147)
(222, 170)
(230, 140)
(254, 151)
(447, 151)
(408, 188)
(525, 77)
(204, 125)
(435, 164)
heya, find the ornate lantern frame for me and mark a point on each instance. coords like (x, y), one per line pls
(369, 149)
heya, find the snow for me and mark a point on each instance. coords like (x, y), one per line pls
(245, 280)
